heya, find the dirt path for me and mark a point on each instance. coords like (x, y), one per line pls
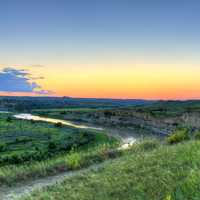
(18, 191)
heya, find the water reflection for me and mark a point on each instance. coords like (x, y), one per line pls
(46, 119)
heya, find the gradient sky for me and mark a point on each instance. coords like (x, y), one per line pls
(100, 48)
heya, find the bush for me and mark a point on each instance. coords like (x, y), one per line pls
(59, 125)
(197, 135)
(178, 136)
(74, 160)
(9, 119)
(63, 112)
(2, 147)
(52, 145)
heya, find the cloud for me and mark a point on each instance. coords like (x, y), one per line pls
(20, 80)
(20, 72)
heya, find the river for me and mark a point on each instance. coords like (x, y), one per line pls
(126, 139)
(51, 120)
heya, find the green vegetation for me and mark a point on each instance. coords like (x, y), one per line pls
(197, 135)
(29, 150)
(162, 173)
(165, 169)
(75, 159)
(77, 113)
(163, 109)
(178, 136)
(27, 104)
(68, 109)
(23, 141)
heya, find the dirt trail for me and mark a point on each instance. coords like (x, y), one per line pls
(18, 191)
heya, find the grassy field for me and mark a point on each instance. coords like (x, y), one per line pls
(73, 160)
(22, 141)
(147, 172)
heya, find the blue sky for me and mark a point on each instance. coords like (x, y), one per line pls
(66, 24)
(91, 35)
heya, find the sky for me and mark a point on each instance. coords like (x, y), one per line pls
(100, 48)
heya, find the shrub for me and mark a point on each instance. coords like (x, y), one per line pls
(2, 147)
(197, 135)
(178, 136)
(58, 125)
(52, 145)
(107, 113)
(74, 160)
(9, 119)
(63, 112)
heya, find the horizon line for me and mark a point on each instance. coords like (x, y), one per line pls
(108, 98)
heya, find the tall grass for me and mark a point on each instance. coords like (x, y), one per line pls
(178, 136)
(169, 172)
(76, 159)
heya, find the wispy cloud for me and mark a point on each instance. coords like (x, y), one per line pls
(20, 80)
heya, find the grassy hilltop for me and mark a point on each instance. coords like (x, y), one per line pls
(148, 172)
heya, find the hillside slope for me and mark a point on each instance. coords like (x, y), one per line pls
(165, 173)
